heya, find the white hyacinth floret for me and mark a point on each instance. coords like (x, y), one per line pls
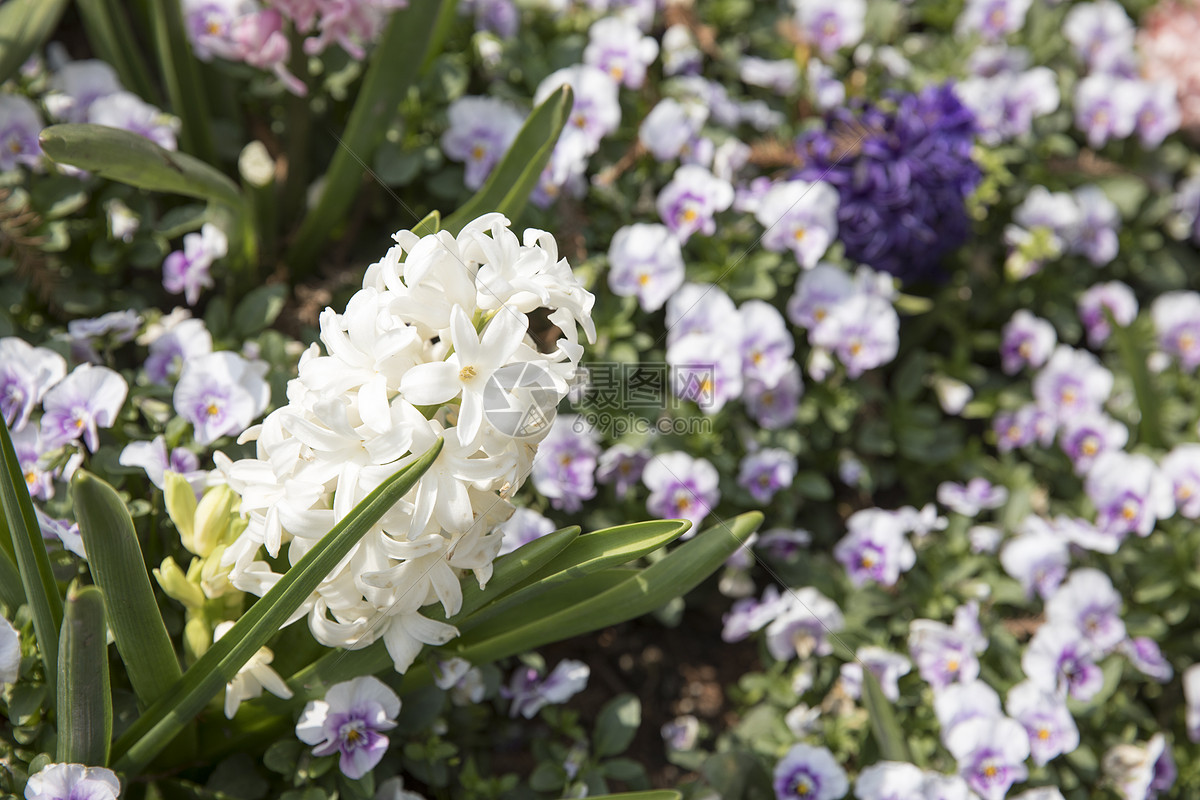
(409, 361)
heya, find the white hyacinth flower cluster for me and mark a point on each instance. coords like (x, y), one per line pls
(423, 351)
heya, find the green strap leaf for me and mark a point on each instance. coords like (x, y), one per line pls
(162, 721)
(11, 594)
(129, 158)
(893, 746)
(589, 553)
(117, 566)
(410, 38)
(508, 188)
(41, 590)
(181, 74)
(643, 591)
(431, 224)
(84, 696)
(111, 37)
(24, 26)
(654, 794)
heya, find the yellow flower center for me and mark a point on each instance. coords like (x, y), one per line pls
(855, 347)
(477, 152)
(799, 234)
(689, 215)
(617, 72)
(467, 373)
(990, 771)
(643, 279)
(1129, 510)
(212, 410)
(1090, 446)
(1043, 734)
(1025, 349)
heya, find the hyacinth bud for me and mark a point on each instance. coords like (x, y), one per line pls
(212, 523)
(181, 506)
(197, 636)
(177, 585)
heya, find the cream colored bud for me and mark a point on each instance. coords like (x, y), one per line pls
(181, 506)
(176, 585)
(213, 516)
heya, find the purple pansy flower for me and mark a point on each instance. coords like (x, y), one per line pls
(1181, 467)
(766, 345)
(20, 124)
(1106, 107)
(766, 471)
(774, 407)
(831, 24)
(875, 548)
(701, 308)
(221, 394)
(863, 330)
(105, 331)
(1038, 561)
(991, 754)
(185, 340)
(1176, 318)
(818, 291)
(803, 624)
(129, 112)
(801, 217)
(76, 85)
(1114, 297)
(681, 487)
(153, 458)
(1027, 341)
(956, 703)
(1096, 234)
(809, 773)
(349, 722)
(689, 203)
(186, 271)
(77, 406)
(1158, 115)
(618, 47)
(992, 19)
(886, 666)
(1006, 101)
(670, 126)
(529, 693)
(680, 55)
(1101, 33)
(1073, 381)
(1087, 436)
(1089, 603)
(972, 497)
(1059, 659)
(73, 782)
(64, 531)
(26, 374)
(706, 369)
(480, 133)
(565, 468)
(1129, 492)
(749, 614)
(784, 543)
(500, 17)
(1146, 657)
(645, 261)
(28, 446)
(1050, 726)
(596, 111)
(943, 654)
(621, 465)
(521, 528)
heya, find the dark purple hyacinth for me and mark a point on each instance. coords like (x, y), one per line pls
(903, 169)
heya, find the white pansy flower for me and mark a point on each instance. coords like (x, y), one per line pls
(10, 653)
(436, 344)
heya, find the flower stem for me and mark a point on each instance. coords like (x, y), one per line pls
(1133, 359)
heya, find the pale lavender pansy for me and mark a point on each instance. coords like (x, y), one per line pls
(1147, 658)
(992, 19)
(956, 703)
(350, 722)
(152, 456)
(221, 394)
(88, 336)
(1087, 436)
(809, 773)
(750, 614)
(1044, 715)
(991, 754)
(20, 124)
(129, 112)
(767, 471)
(1098, 302)
(1181, 467)
(565, 468)
(689, 203)
(596, 111)
(766, 344)
(802, 627)
(618, 47)
(863, 331)
(1059, 659)
(524, 526)
(976, 495)
(10, 653)
(1101, 34)
(26, 374)
(943, 654)
(1095, 237)
(774, 407)
(621, 465)
(681, 487)
(1106, 107)
(886, 666)
(73, 782)
(76, 85)
(530, 693)
(875, 548)
(1026, 341)
(480, 133)
(831, 24)
(186, 271)
(645, 261)
(1038, 561)
(1176, 317)
(1129, 493)
(801, 217)
(1088, 602)
(1073, 381)
(818, 291)
(187, 339)
(87, 399)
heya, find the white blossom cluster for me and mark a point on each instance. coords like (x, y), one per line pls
(409, 361)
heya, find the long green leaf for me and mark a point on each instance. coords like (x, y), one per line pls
(117, 566)
(84, 696)
(508, 188)
(111, 37)
(589, 553)
(24, 26)
(11, 593)
(41, 590)
(653, 794)
(129, 158)
(162, 721)
(644, 591)
(411, 36)
(181, 74)
(893, 745)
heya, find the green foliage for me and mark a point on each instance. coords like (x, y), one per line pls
(25, 25)
(84, 702)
